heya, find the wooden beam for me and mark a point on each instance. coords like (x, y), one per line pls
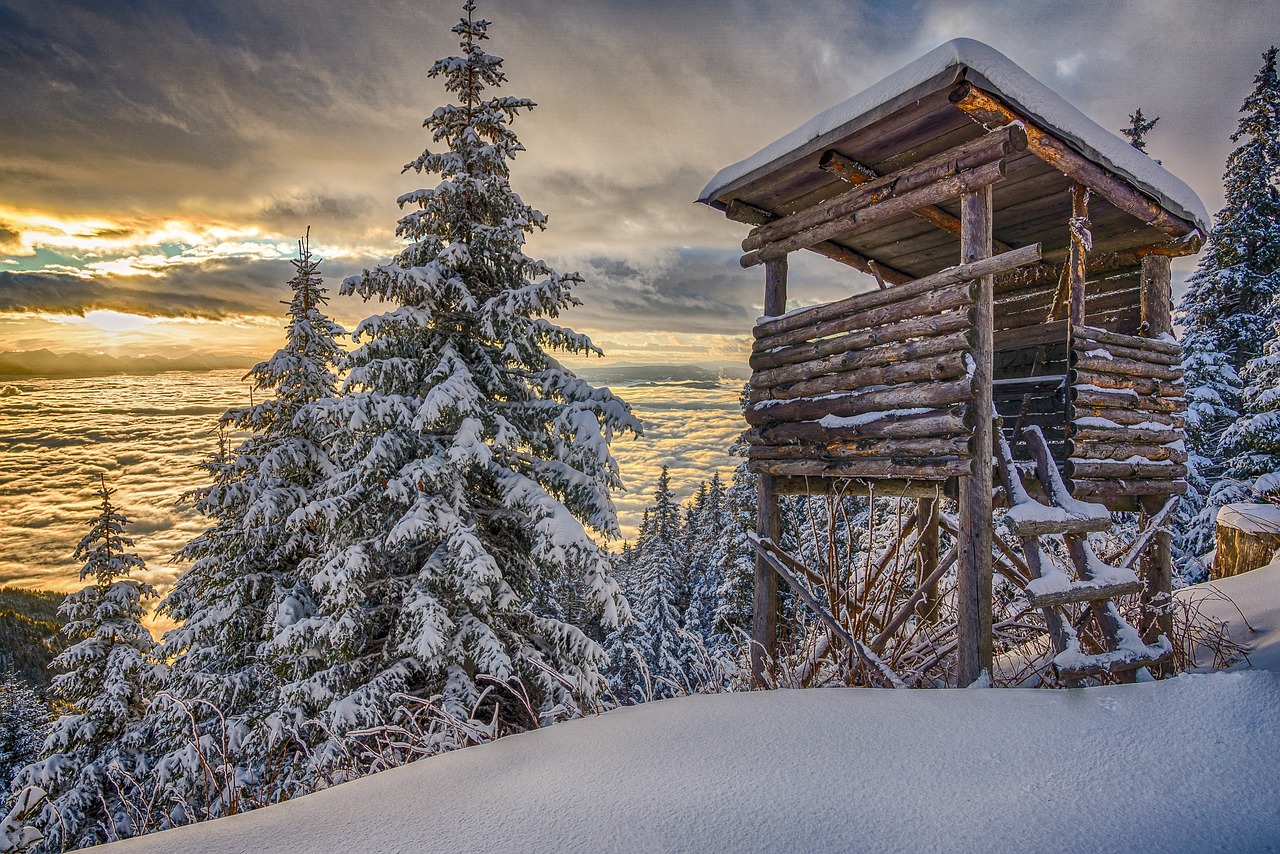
(855, 173)
(973, 593)
(989, 111)
(764, 619)
(740, 211)
(967, 181)
(927, 556)
(1157, 298)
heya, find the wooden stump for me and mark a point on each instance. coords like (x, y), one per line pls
(1248, 536)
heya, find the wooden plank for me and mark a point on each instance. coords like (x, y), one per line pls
(1086, 398)
(864, 302)
(1141, 436)
(1124, 417)
(764, 612)
(1084, 347)
(1140, 385)
(1119, 469)
(933, 302)
(1121, 366)
(1117, 451)
(990, 111)
(1109, 489)
(930, 194)
(862, 339)
(1083, 593)
(1157, 297)
(935, 422)
(740, 211)
(1103, 336)
(973, 575)
(968, 156)
(775, 286)
(852, 360)
(923, 447)
(928, 369)
(922, 469)
(915, 396)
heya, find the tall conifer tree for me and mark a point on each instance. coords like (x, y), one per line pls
(471, 462)
(237, 604)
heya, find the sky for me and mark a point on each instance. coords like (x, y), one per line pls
(161, 159)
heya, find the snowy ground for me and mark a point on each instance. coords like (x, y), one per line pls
(1190, 764)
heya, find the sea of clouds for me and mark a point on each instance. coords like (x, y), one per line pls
(147, 434)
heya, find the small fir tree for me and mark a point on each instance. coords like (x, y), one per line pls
(471, 463)
(239, 601)
(106, 678)
(1139, 127)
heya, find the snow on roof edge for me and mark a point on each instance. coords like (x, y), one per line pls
(1007, 79)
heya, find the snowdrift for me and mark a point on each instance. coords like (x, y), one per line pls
(1189, 764)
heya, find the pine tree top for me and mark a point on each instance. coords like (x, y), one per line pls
(1139, 127)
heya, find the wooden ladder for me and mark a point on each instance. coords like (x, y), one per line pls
(1095, 583)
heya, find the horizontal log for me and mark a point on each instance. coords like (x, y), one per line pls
(922, 469)
(1153, 357)
(1089, 451)
(1083, 593)
(1125, 367)
(1127, 434)
(1122, 399)
(922, 395)
(739, 211)
(1116, 489)
(919, 370)
(855, 359)
(1123, 417)
(855, 173)
(974, 154)
(922, 305)
(1140, 385)
(991, 112)
(1103, 336)
(936, 422)
(930, 194)
(1121, 470)
(879, 487)
(1127, 297)
(863, 339)
(927, 447)
(1113, 665)
(859, 303)
(1032, 334)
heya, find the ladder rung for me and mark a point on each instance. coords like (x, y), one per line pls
(1120, 661)
(1064, 524)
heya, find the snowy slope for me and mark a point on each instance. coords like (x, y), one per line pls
(1190, 764)
(1257, 594)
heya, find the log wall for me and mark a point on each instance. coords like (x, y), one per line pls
(1127, 404)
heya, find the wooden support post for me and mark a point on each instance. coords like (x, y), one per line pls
(927, 555)
(764, 619)
(1077, 273)
(973, 592)
(1157, 561)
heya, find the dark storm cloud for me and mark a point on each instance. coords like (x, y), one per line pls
(225, 287)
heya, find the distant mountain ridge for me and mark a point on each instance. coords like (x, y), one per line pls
(46, 363)
(660, 374)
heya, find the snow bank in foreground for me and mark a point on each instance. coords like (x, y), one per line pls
(1189, 764)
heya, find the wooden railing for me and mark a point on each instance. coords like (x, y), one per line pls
(875, 386)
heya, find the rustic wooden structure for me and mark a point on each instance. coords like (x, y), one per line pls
(1021, 301)
(1247, 536)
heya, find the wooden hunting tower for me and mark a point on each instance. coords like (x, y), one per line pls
(1020, 311)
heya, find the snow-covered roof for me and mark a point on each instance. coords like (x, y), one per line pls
(991, 70)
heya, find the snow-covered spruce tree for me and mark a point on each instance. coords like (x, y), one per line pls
(1139, 127)
(106, 678)
(1229, 310)
(706, 539)
(24, 717)
(237, 602)
(662, 597)
(471, 463)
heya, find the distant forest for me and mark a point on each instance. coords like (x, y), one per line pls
(30, 634)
